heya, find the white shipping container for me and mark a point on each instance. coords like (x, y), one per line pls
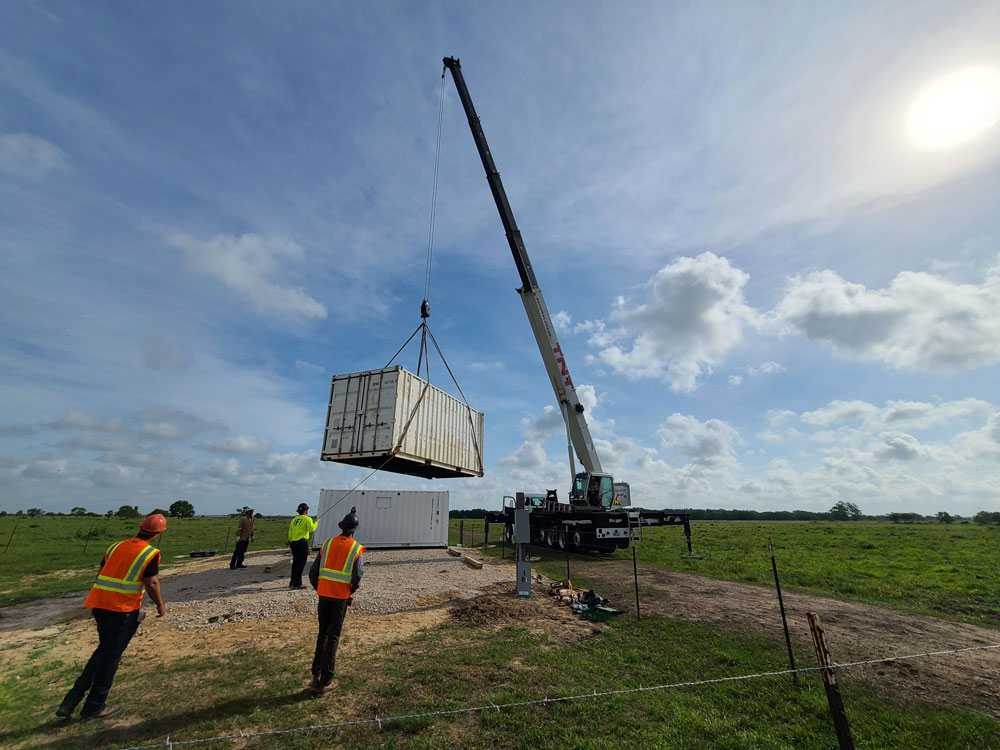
(394, 421)
(388, 518)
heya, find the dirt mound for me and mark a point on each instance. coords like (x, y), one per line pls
(494, 609)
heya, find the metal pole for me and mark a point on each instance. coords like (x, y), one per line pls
(567, 558)
(86, 541)
(225, 547)
(486, 534)
(781, 605)
(11, 537)
(635, 578)
(833, 698)
(461, 532)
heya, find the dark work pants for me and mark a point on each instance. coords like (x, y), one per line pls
(300, 553)
(331, 622)
(114, 631)
(241, 549)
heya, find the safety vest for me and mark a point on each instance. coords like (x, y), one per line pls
(338, 556)
(119, 584)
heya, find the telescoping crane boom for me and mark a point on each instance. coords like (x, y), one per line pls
(592, 490)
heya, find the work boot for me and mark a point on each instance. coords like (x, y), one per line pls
(103, 713)
(327, 688)
(64, 712)
(314, 685)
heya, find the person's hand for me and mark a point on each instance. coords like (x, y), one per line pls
(350, 601)
(251, 537)
(161, 609)
(288, 544)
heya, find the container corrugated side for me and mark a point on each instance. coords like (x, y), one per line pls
(388, 518)
(392, 420)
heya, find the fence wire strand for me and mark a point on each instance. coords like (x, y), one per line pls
(491, 706)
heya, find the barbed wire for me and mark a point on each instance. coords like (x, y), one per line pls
(491, 706)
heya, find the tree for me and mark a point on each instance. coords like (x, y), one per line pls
(985, 517)
(34, 512)
(128, 511)
(945, 517)
(844, 511)
(161, 511)
(78, 511)
(109, 514)
(181, 509)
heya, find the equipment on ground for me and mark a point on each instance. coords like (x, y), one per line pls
(592, 519)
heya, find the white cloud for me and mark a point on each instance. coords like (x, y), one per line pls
(235, 444)
(250, 264)
(562, 321)
(291, 463)
(74, 419)
(694, 316)
(899, 446)
(920, 322)
(840, 411)
(735, 380)
(529, 455)
(170, 424)
(45, 468)
(707, 444)
(301, 364)
(765, 368)
(28, 156)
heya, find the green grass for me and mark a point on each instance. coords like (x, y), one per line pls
(47, 555)
(949, 570)
(452, 667)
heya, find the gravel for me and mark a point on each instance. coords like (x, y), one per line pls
(394, 580)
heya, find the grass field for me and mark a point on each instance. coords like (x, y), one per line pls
(455, 666)
(52, 554)
(949, 570)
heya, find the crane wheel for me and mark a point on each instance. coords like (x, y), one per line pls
(563, 540)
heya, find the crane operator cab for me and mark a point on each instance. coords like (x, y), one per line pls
(595, 491)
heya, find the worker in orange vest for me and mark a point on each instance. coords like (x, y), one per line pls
(116, 601)
(335, 574)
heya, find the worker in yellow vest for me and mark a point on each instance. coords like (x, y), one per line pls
(299, 530)
(335, 574)
(116, 601)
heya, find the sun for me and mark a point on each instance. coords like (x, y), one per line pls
(955, 108)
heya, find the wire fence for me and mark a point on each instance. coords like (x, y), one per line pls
(381, 721)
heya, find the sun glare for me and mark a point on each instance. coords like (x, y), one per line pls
(955, 108)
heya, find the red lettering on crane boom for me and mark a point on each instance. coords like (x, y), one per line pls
(562, 364)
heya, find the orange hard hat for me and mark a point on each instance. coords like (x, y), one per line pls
(155, 522)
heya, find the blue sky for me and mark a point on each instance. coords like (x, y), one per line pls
(770, 298)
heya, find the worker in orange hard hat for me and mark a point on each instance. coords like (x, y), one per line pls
(335, 574)
(116, 601)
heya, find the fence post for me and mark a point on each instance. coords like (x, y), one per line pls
(11, 537)
(635, 578)
(486, 535)
(461, 532)
(225, 547)
(781, 605)
(86, 541)
(830, 683)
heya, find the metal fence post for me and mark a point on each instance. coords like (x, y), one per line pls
(781, 605)
(635, 578)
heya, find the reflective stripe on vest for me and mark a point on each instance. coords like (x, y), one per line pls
(124, 593)
(334, 578)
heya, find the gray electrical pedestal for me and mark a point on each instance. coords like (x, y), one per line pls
(522, 537)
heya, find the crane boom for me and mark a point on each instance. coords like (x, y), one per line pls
(531, 295)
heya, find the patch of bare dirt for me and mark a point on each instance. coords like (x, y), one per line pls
(854, 631)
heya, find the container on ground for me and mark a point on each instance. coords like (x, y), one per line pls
(392, 420)
(389, 518)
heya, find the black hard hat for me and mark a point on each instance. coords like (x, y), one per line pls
(350, 522)
(303, 507)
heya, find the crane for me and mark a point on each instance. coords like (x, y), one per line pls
(593, 517)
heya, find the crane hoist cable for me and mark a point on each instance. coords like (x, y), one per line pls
(423, 358)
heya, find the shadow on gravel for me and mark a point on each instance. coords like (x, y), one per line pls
(156, 729)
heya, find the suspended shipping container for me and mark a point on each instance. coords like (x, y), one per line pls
(392, 420)
(388, 518)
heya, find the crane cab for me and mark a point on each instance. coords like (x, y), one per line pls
(592, 491)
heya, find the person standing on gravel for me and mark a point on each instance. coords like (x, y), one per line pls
(244, 535)
(116, 601)
(299, 530)
(335, 574)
